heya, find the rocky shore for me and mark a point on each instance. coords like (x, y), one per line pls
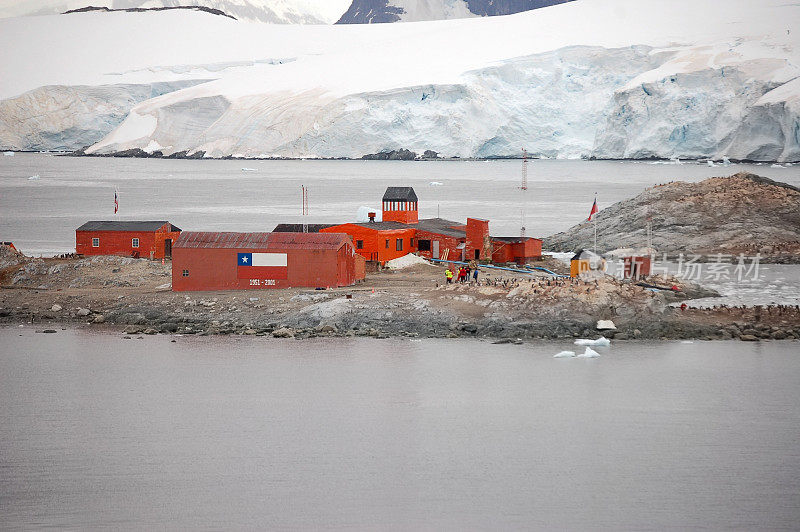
(133, 297)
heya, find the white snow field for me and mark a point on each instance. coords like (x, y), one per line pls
(687, 79)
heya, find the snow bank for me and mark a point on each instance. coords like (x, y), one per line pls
(405, 261)
(600, 342)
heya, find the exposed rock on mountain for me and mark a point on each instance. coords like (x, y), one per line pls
(743, 213)
(209, 10)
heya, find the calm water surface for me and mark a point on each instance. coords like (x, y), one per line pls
(101, 432)
(40, 215)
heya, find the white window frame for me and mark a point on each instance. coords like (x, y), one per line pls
(135, 242)
(97, 240)
(185, 273)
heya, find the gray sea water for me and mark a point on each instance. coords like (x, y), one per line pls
(40, 215)
(247, 433)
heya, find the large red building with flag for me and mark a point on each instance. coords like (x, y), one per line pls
(236, 261)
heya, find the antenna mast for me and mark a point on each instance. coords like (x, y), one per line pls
(524, 169)
(305, 208)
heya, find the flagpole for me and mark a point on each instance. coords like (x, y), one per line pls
(595, 226)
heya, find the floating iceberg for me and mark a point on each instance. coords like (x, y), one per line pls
(565, 354)
(33, 177)
(249, 170)
(600, 342)
(8, 153)
(435, 183)
(589, 353)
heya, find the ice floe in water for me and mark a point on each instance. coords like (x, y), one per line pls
(565, 354)
(589, 353)
(8, 153)
(600, 342)
(436, 183)
(249, 169)
(33, 177)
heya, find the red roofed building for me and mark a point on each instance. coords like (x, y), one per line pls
(236, 261)
(146, 239)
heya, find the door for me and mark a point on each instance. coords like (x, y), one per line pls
(168, 248)
(435, 252)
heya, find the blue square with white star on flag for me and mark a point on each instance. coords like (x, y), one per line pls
(245, 259)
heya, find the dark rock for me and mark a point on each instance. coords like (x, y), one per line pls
(748, 338)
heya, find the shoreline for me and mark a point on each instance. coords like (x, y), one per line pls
(133, 297)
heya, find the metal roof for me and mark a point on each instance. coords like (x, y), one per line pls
(114, 225)
(298, 228)
(224, 240)
(514, 239)
(400, 194)
(384, 226)
(441, 226)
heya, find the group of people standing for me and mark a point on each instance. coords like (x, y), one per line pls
(463, 273)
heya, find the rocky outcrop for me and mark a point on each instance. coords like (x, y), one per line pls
(743, 213)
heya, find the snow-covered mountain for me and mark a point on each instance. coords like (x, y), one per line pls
(723, 82)
(378, 11)
(272, 11)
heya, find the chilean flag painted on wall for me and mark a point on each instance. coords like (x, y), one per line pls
(261, 266)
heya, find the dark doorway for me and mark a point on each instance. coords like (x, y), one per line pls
(477, 254)
(168, 248)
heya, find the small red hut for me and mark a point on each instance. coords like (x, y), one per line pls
(145, 239)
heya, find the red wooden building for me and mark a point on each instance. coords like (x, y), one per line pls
(378, 241)
(236, 261)
(146, 239)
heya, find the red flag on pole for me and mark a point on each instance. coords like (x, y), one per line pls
(593, 211)
(116, 202)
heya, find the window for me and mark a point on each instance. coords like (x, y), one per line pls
(95, 242)
(387, 243)
(135, 242)
(185, 273)
(411, 242)
(399, 244)
(424, 245)
(359, 244)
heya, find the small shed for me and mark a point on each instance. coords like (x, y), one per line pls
(245, 261)
(636, 267)
(585, 260)
(146, 239)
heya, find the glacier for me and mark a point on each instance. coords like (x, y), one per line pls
(722, 83)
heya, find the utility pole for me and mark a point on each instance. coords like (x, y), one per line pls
(305, 208)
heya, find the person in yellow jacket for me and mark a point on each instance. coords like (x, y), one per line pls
(449, 274)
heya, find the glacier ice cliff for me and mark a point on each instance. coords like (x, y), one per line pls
(632, 102)
(70, 118)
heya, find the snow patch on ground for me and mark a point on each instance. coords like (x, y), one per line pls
(405, 261)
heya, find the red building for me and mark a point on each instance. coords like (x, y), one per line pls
(636, 267)
(402, 232)
(236, 261)
(378, 241)
(151, 240)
